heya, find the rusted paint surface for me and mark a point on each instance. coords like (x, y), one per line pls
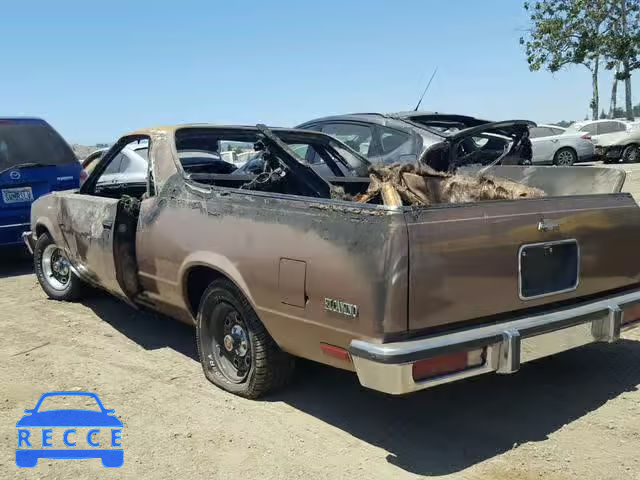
(405, 268)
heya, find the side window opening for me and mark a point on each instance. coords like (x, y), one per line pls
(391, 139)
(125, 173)
(358, 137)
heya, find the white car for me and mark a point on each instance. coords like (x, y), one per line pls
(614, 140)
(558, 146)
(131, 163)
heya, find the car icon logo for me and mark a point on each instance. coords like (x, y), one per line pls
(14, 175)
(86, 433)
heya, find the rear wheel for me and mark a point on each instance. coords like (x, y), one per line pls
(53, 271)
(631, 154)
(565, 157)
(236, 351)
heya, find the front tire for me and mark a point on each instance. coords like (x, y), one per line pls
(631, 154)
(236, 351)
(565, 157)
(53, 271)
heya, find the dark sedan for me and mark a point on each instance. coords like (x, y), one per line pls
(441, 140)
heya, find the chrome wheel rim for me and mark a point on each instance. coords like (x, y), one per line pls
(56, 267)
(632, 154)
(565, 158)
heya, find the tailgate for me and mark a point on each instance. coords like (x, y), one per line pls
(480, 260)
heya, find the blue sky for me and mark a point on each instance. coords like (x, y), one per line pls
(96, 70)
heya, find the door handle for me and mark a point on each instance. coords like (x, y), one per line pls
(107, 225)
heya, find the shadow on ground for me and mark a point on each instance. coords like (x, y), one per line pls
(15, 261)
(439, 431)
(149, 330)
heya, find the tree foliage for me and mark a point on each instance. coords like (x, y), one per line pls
(585, 32)
(564, 32)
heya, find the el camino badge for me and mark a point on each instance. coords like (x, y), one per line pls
(343, 308)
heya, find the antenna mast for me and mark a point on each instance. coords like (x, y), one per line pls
(425, 89)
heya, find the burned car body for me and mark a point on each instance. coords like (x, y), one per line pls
(289, 264)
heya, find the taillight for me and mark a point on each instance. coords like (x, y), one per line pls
(586, 136)
(335, 352)
(446, 364)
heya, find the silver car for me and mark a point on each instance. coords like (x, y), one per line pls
(558, 146)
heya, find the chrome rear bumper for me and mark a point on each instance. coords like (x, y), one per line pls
(387, 367)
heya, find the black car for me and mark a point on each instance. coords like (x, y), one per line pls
(440, 140)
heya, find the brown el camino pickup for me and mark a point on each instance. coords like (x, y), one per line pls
(300, 253)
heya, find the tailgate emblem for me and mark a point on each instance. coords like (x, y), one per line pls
(548, 226)
(14, 175)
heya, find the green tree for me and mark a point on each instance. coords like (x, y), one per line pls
(567, 32)
(622, 44)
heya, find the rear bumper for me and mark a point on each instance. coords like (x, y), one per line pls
(388, 367)
(29, 240)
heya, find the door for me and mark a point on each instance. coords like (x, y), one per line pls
(87, 223)
(95, 225)
(544, 143)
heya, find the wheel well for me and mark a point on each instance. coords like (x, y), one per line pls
(196, 281)
(40, 229)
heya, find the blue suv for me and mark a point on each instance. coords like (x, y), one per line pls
(34, 160)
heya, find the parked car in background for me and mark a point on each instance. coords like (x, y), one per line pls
(34, 160)
(132, 163)
(556, 146)
(614, 140)
(405, 137)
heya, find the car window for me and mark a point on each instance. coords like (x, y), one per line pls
(123, 169)
(32, 141)
(116, 165)
(143, 152)
(391, 139)
(556, 131)
(541, 132)
(354, 135)
(591, 128)
(538, 132)
(618, 127)
(610, 127)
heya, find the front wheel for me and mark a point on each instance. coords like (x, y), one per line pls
(236, 351)
(631, 154)
(565, 157)
(53, 271)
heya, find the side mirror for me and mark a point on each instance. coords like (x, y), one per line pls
(29, 410)
(109, 411)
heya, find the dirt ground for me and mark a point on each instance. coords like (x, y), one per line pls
(576, 415)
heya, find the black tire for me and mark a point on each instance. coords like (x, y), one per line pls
(74, 288)
(565, 157)
(631, 154)
(270, 368)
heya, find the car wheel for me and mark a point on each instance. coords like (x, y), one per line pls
(236, 351)
(631, 154)
(54, 272)
(565, 157)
